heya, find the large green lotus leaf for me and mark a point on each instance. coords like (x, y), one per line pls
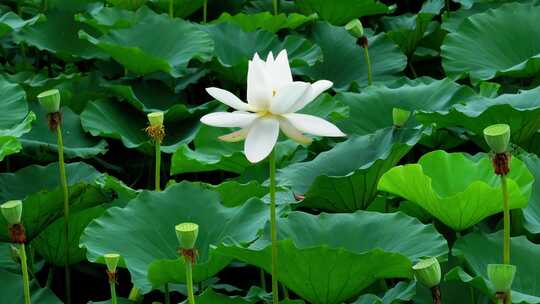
(232, 55)
(117, 120)
(345, 65)
(403, 291)
(458, 190)
(472, 51)
(520, 111)
(128, 4)
(41, 144)
(531, 213)
(59, 35)
(339, 12)
(345, 178)
(150, 218)
(423, 94)
(43, 197)
(11, 290)
(329, 258)
(105, 18)
(266, 21)
(479, 249)
(182, 8)
(50, 242)
(11, 22)
(233, 193)
(138, 51)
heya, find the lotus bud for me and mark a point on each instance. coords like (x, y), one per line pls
(50, 100)
(187, 234)
(501, 276)
(155, 118)
(12, 211)
(111, 260)
(355, 28)
(400, 116)
(497, 137)
(428, 272)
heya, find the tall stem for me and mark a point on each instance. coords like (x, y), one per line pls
(112, 284)
(44, 5)
(506, 220)
(167, 294)
(171, 8)
(275, 5)
(447, 8)
(189, 281)
(368, 63)
(63, 181)
(205, 11)
(158, 166)
(273, 226)
(263, 279)
(26, 280)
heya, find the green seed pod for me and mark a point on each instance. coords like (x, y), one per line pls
(187, 234)
(355, 28)
(400, 116)
(155, 118)
(497, 137)
(50, 100)
(12, 211)
(112, 259)
(428, 272)
(501, 276)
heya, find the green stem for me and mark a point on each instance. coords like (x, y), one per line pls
(263, 279)
(50, 277)
(134, 294)
(158, 166)
(368, 62)
(171, 8)
(189, 280)
(26, 280)
(447, 8)
(63, 181)
(275, 5)
(285, 291)
(112, 284)
(44, 5)
(167, 294)
(273, 226)
(205, 11)
(506, 220)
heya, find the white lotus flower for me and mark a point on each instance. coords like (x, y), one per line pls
(272, 100)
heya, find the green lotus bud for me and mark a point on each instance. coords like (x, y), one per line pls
(155, 118)
(187, 234)
(111, 260)
(12, 211)
(501, 276)
(400, 116)
(355, 28)
(497, 137)
(428, 272)
(50, 100)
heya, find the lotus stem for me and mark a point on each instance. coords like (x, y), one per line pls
(263, 279)
(273, 226)
(63, 181)
(44, 5)
(285, 291)
(205, 11)
(368, 63)
(506, 220)
(112, 284)
(189, 280)
(167, 294)
(171, 8)
(436, 294)
(276, 6)
(447, 8)
(158, 165)
(134, 294)
(24, 269)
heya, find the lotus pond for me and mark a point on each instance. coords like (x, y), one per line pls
(269, 151)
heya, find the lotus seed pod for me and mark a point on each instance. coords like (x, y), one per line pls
(497, 137)
(400, 116)
(112, 259)
(428, 272)
(501, 276)
(355, 28)
(12, 211)
(155, 118)
(187, 234)
(50, 100)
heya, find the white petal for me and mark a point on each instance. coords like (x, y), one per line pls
(259, 89)
(313, 92)
(270, 59)
(235, 136)
(313, 125)
(280, 71)
(228, 120)
(228, 98)
(291, 132)
(261, 139)
(287, 96)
